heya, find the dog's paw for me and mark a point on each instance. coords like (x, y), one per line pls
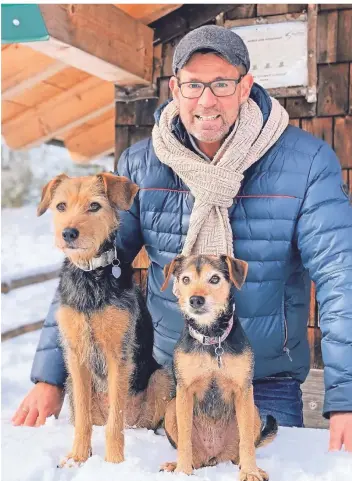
(74, 460)
(255, 475)
(114, 458)
(170, 467)
(183, 469)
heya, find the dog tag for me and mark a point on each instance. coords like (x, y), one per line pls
(116, 271)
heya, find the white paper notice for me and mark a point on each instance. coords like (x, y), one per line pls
(278, 53)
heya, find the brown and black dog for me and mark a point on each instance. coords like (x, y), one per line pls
(213, 418)
(106, 329)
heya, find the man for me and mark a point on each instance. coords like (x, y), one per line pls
(226, 172)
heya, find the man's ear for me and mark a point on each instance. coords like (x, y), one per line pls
(119, 190)
(170, 269)
(48, 193)
(237, 270)
(246, 87)
(174, 88)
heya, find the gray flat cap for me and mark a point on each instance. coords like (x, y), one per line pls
(219, 39)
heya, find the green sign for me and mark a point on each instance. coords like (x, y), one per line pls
(22, 23)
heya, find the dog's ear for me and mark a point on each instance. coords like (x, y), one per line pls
(170, 269)
(119, 190)
(48, 192)
(237, 270)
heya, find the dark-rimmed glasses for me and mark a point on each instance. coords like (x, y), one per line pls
(220, 88)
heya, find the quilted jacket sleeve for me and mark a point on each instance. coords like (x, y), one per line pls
(324, 235)
(129, 236)
(48, 364)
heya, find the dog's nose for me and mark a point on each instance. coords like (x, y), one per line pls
(70, 234)
(197, 301)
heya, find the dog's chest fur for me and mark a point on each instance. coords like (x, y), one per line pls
(97, 315)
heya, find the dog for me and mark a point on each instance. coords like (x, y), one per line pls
(213, 417)
(106, 329)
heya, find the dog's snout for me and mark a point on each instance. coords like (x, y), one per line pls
(70, 234)
(197, 301)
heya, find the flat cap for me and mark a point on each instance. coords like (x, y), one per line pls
(218, 39)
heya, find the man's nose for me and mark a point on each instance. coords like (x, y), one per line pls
(207, 99)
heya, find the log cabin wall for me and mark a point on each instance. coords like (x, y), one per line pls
(330, 118)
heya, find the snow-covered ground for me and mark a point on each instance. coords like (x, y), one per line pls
(32, 454)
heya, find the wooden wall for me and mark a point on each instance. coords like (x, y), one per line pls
(330, 118)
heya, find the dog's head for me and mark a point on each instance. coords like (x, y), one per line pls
(86, 210)
(203, 283)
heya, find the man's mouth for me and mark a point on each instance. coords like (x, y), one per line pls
(207, 118)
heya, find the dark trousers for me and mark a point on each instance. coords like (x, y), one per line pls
(281, 397)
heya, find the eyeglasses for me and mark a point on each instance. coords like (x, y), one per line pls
(220, 88)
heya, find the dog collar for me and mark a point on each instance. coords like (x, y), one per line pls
(208, 340)
(105, 259)
(211, 341)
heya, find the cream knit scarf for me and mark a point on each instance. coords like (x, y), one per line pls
(215, 184)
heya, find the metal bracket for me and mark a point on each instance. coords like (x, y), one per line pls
(22, 23)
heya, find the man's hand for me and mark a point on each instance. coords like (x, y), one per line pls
(340, 431)
(41, 402)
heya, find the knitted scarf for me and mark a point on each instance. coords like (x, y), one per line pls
(215, 184)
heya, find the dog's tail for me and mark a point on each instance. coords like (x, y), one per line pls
(268, 432)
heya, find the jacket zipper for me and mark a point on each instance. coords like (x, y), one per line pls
(285, 348)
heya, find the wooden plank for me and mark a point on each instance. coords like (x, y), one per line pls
(168, 53)
(320, 127)
(298, 107)
(85, 36)
(311, 95)
(313, 400)
(264, 9)
(350, 107)
(188, 17)
(18, 331)
(241, 11)
(33, 69)
(148, 13)
(139, 133)
(59, 114)
(312, 307)
(7, 286)
(121, 143)
(335, 6)
(294, 122)
(10, 109)
(93, 140)
(287, 17)
(164, 91)
(343, 140)
(344, 36)
(327, 37)
(333, 89)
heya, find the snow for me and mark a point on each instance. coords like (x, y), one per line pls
(27, 243)
(32, 454)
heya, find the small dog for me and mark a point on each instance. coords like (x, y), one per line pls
(106, 329)
(213, 418)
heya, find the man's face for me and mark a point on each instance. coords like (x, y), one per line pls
(209, 118)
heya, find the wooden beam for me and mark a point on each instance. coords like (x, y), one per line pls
(22, 68)
(99, 39)
(61, 113)
(148, 13)
(91, 141)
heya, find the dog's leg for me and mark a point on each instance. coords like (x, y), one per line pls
(118, 390)
(244, 406)
(82, 392)
(184, 415)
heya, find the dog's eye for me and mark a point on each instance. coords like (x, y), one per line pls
(186, 280)
(61, 207)
(214, 280)
(94, 207)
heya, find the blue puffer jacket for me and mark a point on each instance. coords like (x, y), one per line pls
(291, 221)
